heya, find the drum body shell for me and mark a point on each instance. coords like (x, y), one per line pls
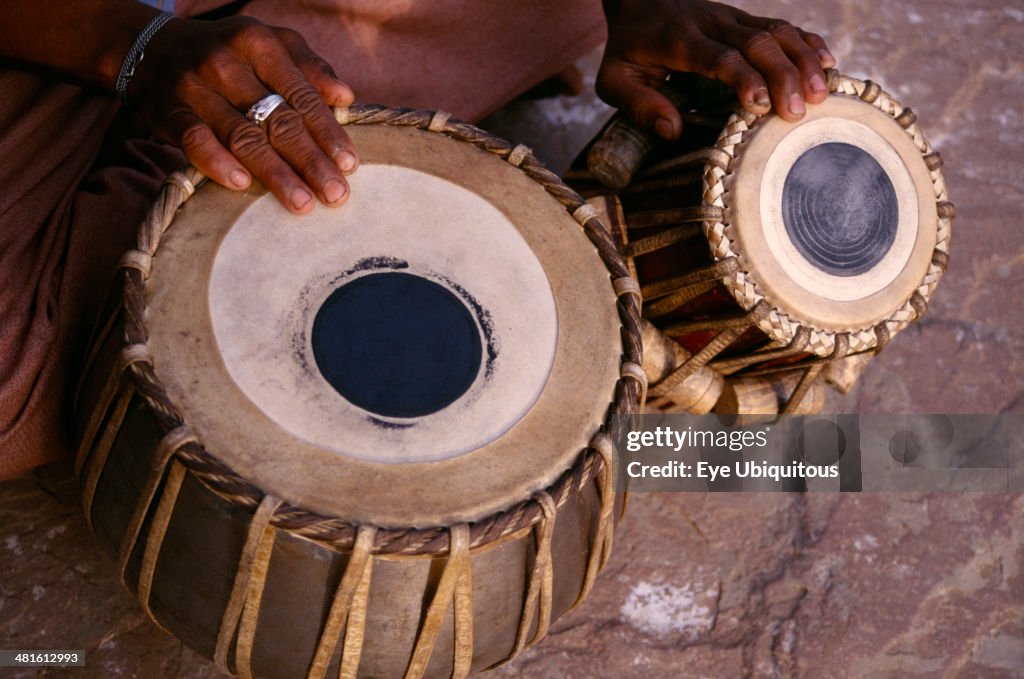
(203, 544)
(276, 582)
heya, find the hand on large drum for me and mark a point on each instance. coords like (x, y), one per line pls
(197, 81)
(769, 62)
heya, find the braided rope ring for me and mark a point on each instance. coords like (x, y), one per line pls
(744, 286)
(336, 532)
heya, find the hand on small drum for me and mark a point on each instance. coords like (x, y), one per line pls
(199, 78)
(769, 62)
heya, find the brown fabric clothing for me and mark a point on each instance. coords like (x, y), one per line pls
(63, 225)
(467, 58)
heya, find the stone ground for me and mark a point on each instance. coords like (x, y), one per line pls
(735, 585)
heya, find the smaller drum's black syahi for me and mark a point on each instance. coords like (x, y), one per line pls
(839, 208)
(397, 344)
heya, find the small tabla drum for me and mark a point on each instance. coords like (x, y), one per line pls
(772, 254)
(370, 441)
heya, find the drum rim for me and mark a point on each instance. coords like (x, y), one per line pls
(484, 472)
(179, 444)
(782, 326)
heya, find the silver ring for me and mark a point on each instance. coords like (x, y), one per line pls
(261, 110)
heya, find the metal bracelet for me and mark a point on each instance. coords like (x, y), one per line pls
(135, 54)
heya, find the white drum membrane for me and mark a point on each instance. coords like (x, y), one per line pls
(412, 324)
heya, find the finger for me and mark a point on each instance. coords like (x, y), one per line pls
(799, 53)
(805, 57)
(819, 45)
(287, 132)
(720, 60)
(202, 148)
(290, 137)
(635, 92)
(728, 64)
(329, 135)
(762, 51)
(248, 143)
(276, 68)
(812, 76)
(318, 72)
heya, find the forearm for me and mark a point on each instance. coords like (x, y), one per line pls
(86, 40)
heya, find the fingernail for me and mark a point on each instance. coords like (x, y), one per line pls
(239, 179)
(796, 104)
(334, 191)
(818, 84)
(761, 98)
(664, 128)
(349, 96)
(346, 161)
(300, 198)
(826, 56)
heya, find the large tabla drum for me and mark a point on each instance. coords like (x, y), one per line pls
(370, 441)
(772, 254)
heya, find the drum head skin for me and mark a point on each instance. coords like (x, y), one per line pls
(835, 220)
(438, 349)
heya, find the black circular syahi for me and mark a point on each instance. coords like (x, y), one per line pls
(397, 344)
(839, 208)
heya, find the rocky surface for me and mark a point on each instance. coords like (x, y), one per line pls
(735, 585)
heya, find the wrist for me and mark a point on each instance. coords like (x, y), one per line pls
(125, 28)
(136, 52)
(85, 40)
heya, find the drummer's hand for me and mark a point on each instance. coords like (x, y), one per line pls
(198, 79)
(769, 62)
